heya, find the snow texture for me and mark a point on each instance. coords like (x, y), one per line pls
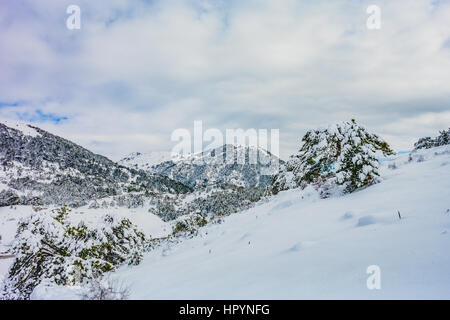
(298, 246)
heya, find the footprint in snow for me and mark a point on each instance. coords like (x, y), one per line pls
(244, 236)
(280, 206)
(365, 221)
(295, 248)
(346, 216)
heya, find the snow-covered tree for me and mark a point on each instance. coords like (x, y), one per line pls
(285, 179)
(48, 247)
(344, 153)
(428, 142)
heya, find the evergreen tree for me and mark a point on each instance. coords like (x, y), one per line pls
(428, 142)
(48, 247)
(344, 153)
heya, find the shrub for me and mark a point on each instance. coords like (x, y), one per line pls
(48, 246)
(428, 142)
(189, 225)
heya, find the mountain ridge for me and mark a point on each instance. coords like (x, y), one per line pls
(211, 167)
(37, 167)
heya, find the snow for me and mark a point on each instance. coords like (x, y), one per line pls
(8, 225)
(21, 126)
(146, 160)
(9, 218)
(4, 266)
(149, 223)
(48, 291)
(3, 186)
(298, 246)
(294, 248)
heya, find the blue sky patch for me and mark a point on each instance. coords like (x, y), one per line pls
(10, 103)
(40, 116)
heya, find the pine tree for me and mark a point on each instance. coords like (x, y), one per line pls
(428, 142)
(344, 153)
(48, 247)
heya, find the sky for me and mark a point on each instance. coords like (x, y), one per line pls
(137, 70)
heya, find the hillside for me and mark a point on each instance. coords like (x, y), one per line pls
(145, 161)
(298, 246)
(251, 167)
(39, 168)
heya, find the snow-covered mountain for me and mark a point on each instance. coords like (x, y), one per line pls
(299, 246)
(37, 167)
(249, 167)
(145, 161)
(233, 242)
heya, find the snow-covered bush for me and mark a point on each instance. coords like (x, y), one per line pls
(285, 180)
(428, 142)
(48, 246)
(220, 200)
(8, 198)
(343, 154)
(189, 225)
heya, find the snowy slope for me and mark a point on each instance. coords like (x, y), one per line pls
(145, 161)
(25, 128)
(298, 246)
(9, 218)
(39, 168)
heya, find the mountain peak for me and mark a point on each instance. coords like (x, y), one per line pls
(144, 161)
(37, 167)
(25, 128)
(247, 166)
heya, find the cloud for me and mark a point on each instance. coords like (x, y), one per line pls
(137, 70)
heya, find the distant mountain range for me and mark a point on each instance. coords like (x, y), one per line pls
(250, 167)
(37, 167)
